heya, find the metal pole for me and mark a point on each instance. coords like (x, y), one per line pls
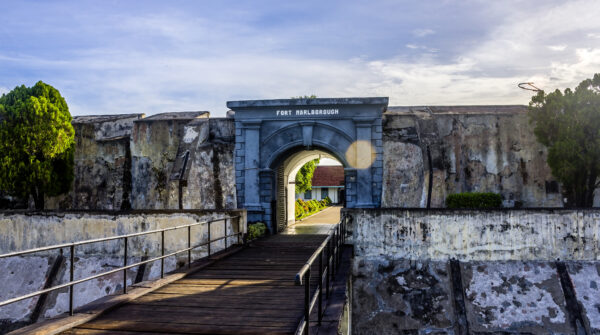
(333, 255)
(189, 246)
(239, 230)
(307, 301)
(328, 269)
(125, 270)
(209, 222)
(71, 276)
(225, 232)
(162, 253)
(320, 287)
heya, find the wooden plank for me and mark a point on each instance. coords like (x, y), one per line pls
(138, 312)
(145, 310)
(79, 331)
(252, 292)
(185, 328)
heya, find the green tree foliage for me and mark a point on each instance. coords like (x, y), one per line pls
(305, 175)
(312, 96)
(569, 125)
(474, 200)
(36, 143)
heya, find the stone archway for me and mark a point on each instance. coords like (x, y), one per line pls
(270, 131)
(285, 188)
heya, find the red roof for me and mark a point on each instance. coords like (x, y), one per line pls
(328, 176)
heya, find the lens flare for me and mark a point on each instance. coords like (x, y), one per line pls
(360, 154)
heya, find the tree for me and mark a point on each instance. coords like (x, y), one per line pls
(36, 143)
(305, 175)
(312, 96)
(569, 125)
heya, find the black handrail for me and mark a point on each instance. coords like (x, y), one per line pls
(125, 266)
(332, 247)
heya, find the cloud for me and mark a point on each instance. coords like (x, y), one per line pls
(173, 60)
(422, 32)
(557, 47)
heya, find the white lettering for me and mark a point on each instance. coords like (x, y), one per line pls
(306, 112)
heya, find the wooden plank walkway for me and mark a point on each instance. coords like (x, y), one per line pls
(249, 292)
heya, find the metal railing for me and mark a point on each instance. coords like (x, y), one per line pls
(332, 248)
(126, 266)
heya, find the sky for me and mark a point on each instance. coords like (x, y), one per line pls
(110, 57)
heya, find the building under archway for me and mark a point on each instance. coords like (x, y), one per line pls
(274, 136)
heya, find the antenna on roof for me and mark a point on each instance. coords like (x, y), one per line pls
(529, 86)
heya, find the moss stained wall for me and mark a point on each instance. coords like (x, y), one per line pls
(472, 148)
(102, 164)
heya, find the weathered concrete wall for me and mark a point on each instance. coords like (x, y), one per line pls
(477, 235)
(26, 274)
(472, 148)
(102, 164)
(477, 272)
(154, 149)
(204, 166)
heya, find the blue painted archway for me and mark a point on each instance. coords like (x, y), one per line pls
(269, 131)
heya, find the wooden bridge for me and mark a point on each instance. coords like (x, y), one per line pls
(251, 289)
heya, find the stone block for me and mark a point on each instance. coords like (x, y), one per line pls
(514, 297)
(402, 297)
(585, 277)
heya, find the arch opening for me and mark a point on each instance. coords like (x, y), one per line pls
(285, 196)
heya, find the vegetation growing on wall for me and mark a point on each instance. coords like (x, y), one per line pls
(305, 175)
(306, 208)
(256, 230)
(474, 200)
(568, 124)
(36, 143)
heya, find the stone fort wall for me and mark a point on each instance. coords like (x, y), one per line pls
(186, 160)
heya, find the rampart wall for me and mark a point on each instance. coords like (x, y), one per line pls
(21, 275)
(532, 271)
(186, 160)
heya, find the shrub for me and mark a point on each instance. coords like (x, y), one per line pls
(299, 210)
(256, 230)
(474, 200)
(327, 200)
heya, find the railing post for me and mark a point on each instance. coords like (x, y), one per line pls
(125, 270)
(339, 247)
(189, 247)
(71, 276)
(307, 302)
(225, 232)
(328, 269)
(333, 247)
(239, 230)
(320, 288)
(162, 253)
(209, 223)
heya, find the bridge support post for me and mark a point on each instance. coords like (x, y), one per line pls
(307, 302)
(320, 288)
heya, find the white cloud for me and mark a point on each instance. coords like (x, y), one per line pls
(557, 47)
(423, 32)
(162, 63)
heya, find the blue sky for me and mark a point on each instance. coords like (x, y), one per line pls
(109, 57)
